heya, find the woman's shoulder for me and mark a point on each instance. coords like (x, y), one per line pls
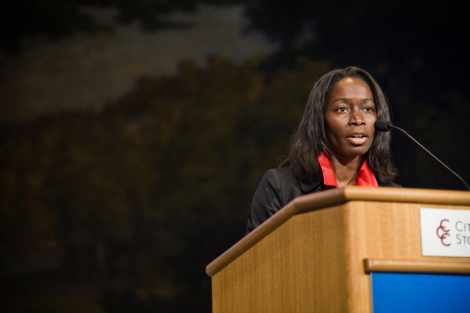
(283, 180)
(279, 176)
(284, 172)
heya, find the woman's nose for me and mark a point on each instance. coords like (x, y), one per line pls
(356, 118)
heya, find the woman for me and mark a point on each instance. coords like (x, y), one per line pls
(335, 144)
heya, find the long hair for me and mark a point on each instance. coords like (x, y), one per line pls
(310, 139)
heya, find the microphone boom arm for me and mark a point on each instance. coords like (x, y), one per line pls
(431, 154)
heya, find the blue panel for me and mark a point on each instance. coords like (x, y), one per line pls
(427, 293)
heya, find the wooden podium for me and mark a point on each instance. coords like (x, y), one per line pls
(319, 253)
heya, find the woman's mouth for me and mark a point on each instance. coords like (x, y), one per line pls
(357, 139)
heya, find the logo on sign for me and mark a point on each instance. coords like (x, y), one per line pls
(443, 232)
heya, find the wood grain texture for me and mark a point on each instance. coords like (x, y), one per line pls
(298, 268)
(335, 197)
(382, 230)
(408, 195)
(301, 204)
(310, 256)
(415, 266)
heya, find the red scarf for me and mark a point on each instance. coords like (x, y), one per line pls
(365, 176)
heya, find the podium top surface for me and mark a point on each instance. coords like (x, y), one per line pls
(333, 197)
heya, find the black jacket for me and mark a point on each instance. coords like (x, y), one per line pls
(277, 188)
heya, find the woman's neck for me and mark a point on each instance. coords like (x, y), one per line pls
(346, 170)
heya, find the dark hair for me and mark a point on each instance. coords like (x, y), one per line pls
(310, 138)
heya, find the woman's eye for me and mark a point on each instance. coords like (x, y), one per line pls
(369, 109)
(342, 109)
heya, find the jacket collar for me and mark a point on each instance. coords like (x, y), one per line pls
(365, 175)
(313, 184)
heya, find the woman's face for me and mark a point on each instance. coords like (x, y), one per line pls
(350, 116)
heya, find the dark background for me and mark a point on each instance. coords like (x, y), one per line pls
(122, 178)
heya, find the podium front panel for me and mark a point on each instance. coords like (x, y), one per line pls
(420, 292)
